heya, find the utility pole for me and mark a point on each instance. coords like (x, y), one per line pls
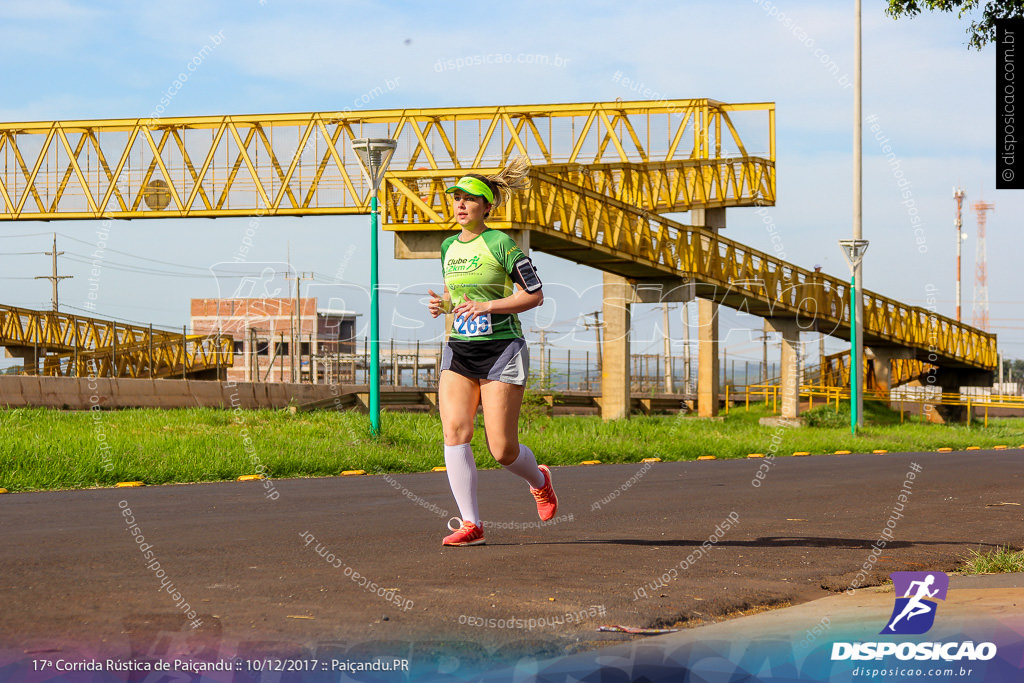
(54, 279)
(295, 346)
(306, 275)
(686, 347)
(291, 328)
(821, 358)
(668, 350)
(254, 359)
(821, 338)
(764, 354)
(597, 325)
(543, 355)
(543, 343)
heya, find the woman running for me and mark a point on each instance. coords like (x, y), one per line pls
(485, 360)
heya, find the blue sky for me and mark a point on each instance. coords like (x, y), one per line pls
(931, 98)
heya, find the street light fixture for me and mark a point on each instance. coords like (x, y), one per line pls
(374, 155)
(854, 250)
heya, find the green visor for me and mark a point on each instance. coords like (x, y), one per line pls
(473, 186)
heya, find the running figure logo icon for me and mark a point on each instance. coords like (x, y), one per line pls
(914, 612)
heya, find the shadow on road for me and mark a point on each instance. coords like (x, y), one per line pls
(771, 542)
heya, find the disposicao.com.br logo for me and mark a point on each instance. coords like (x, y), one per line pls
(913, 614)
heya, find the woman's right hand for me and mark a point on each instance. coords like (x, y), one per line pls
(436, 305)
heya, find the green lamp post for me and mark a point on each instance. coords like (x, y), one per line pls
(374, 155)
(854, 250)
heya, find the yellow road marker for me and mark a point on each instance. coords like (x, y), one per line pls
(801, 453)
(250, 477)
(999, 448)
(4, 491)
(707, 457)
(879, 451)
(591, 462)
(755, 455)
(945, 450)
(651, 460)
(352, 473)
(841, 453)
(129, 484)
(973, 448)
(438, 469)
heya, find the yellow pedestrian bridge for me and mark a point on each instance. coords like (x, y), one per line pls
(603, 174)
(60, 344)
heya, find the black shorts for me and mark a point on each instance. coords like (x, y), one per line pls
(503, 360)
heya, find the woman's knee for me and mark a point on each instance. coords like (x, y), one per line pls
(455, 435)
(505, 452)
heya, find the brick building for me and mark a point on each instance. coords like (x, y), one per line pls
(272, 343)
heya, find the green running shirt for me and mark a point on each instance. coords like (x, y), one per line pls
(481, 268)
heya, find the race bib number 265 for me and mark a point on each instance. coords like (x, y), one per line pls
(476, 327)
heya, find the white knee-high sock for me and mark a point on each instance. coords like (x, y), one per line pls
(525, 465)
(461, 468)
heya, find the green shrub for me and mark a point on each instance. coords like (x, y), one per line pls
(535, 406)
(826, 416)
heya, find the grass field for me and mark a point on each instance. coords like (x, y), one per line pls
(47, 449)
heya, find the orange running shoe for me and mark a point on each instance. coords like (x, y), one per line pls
(466, 534)
(547, 503)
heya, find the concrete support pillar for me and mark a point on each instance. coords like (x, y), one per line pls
(615, 380)
(707, 358)
(949, 382)
(521, 238)
(881, 362)
(790, 371)
(707, 325)
(881, 358)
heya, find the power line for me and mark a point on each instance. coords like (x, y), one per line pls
(128, 268)
(141, 258)
(115, 251)
(28, 234)
(330, 279)
(93, 314)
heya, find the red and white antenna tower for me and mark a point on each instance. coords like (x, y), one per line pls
(980, 306)
(958, 195)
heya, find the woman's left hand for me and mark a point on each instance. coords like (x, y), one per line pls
(471, 308)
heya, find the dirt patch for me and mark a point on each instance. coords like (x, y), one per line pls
(722, 609)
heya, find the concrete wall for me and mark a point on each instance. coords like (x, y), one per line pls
(81, 393)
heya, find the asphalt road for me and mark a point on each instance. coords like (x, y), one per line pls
(76, 582)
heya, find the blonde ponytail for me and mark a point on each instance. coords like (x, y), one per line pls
(513, 178)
